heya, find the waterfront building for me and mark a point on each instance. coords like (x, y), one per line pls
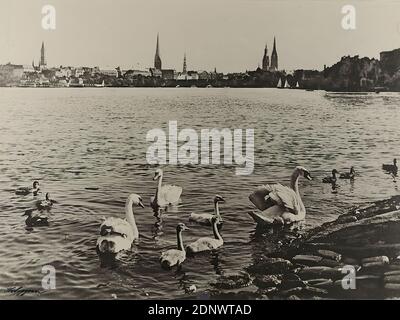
(168, 74)
(265, 61)
(156, 73)
(109, 72)
(157, 58)
(274, 58)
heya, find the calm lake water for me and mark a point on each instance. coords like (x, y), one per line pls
(74, 139)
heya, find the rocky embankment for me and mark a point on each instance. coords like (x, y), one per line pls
(364, 243)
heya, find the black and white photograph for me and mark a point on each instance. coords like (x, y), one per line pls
(201, 150)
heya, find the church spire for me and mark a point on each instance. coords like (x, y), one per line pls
(157, 58)
(184, 64)
(274, 57)
(43, 62)
(265, 61)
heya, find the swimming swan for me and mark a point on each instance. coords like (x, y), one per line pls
(331, 179)
(45, 204)
(206, 243)
(24, 191)
(166, 195)
(391, 168)
(205, 218)
(348, 175)
(174, 257)
(278, 203)
(117, 234)
(36, 220)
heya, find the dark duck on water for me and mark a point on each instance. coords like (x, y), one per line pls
(24, 191)
(391, 168)
(348, 175)
(45, 204)
(331, 179)
(35, 220)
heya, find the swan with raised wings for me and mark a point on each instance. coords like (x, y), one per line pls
(205, 218)
(207, 243)
(118, 234)
(278, 203)
(166, 195)
(175, 257)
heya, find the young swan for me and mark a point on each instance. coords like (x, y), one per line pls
(118, 234)
(175, 257)
(348, 175)
(35, 220)
(166, 195)
(331, 179)
(207, 244)
(205, 218)
(24, 191)
(391, 168)
(45, 204)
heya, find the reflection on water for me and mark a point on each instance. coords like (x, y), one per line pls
(87, 148)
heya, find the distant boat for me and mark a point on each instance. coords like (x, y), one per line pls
(102, 85)
(279, 83)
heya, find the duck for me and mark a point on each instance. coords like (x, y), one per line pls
(331, 179)
(175, 257)
(35, 220)
(45, 204)
(205, 218)
(118, 234)
(207, 243)
(24, 191)
(166, 195)
(391, 168)
(348, 175)
(280, 204)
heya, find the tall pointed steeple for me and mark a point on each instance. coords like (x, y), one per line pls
(274, 58)
(43, 62)
(265, 61)
(157, 58)
(184, 70)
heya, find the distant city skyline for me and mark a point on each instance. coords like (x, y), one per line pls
(229, 35)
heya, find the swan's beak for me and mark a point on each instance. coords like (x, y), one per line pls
(308, 177)
(155, 176)
(185, 228)
(141, 204)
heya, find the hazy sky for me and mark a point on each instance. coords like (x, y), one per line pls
(227, 34)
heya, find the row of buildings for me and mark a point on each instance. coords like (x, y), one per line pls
(62, 76)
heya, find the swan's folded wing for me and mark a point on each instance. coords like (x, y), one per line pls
(285, 196)
(260, 197)
(170, 194)
(115, 226)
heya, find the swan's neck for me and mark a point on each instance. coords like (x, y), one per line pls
(294, 182)
(130, 216)
(180, 241)
(158, 188)
(216, 209)
(217, 235)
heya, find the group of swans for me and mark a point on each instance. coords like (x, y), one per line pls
(118, 234)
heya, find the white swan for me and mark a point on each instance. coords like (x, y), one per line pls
(205, 218)
(174, 257)
(206, 243)
(117, 234)
(166, 195)
(278, 203)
